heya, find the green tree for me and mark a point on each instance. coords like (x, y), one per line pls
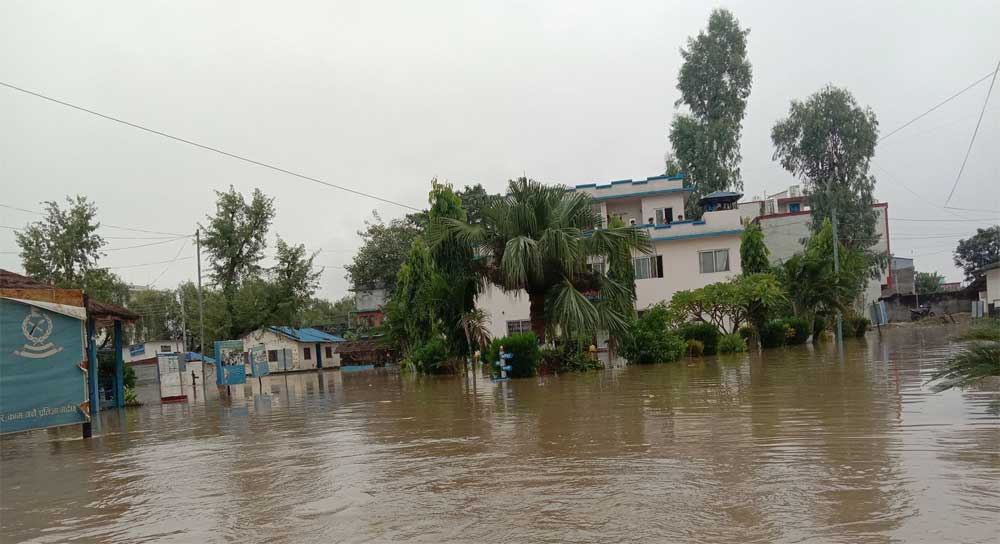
(160, 315)
(332, 315)
(383, 250)
(652, 338)
(235, 239)
(714, 82)
(828, 140)
(412, 317)
(977, 251)
(754, 255)
(63, 249)
(928, 282)
(729, 305)
(474, 198)
(294, 282)
(534, 239)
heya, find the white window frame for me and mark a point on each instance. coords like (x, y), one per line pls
(647, 261)
(515, 326)
(715, 261)
(660, 215)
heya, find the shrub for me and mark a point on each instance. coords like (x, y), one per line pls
(800, 330)
(774, 333)
(580, 361)
(695, 348)
(819, 326)
(431, 357)
(856, 326)
(732, 343)
(131, 397)
(649, 339)
(567, 359)
(745, 332)
(706, 333)
(524, 346)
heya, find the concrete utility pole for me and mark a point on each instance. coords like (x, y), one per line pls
(201, 305)
(836, 271)
(184, 330)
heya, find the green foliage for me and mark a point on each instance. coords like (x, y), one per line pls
(732, 343)
(728, 305)
(293, 283)
(334, 315)
(106, 369)
(754, 255)
(745, 332)
(820, 324)
(856, 326)
(706, 333)
(131, 397)
(829, 140)
(799, 330)
(526, 352)
(533, 239)
(567, 359)
(695, 348)
(160, 315)
(774, 333)
(714, 82)
(384, 248)
(649, 338)
(474, 198)
(928, 282)
(980, 359)
(431, 357)
(411, 316)
(977, 251)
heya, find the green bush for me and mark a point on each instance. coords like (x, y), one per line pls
(106, 369)
(649, 339)
(732, 343)
(800, 330)
(524, 346)
(856, 326)
(819, 326)
(706, 333)
(695, 348)
(431, 357)
(745, 332)
(774, 333)
(567, 359)
(580, 361)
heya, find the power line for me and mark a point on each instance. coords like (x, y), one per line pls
(36, 212)
(974, 134)
(206, 147)
(147, 245)
(165, 268)
(945, 101)
(944, 220)
(145, 264)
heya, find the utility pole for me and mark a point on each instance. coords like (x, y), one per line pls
(184, 330)
(836, 271)
(201, 305)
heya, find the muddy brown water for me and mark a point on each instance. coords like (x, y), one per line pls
(797, 445)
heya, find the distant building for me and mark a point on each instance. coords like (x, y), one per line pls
(903, 277)
(367, 312)
(950, 287)
(687, 253)
(784, 219)
(991, 294)
(147, 351)
(297, 349)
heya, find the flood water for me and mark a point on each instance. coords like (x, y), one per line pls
(796, 445)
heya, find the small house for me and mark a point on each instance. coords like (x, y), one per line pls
(290, 348)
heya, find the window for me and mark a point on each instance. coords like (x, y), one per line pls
(596, 267)
(716, 260)
(648, 267)
(518, 325)
(306, 353)
(166, 349)
(329, 352)
(794, 207)
(664, 216)
(272, 356)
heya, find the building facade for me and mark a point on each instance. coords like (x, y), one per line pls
(367, 312)
(309, 348)
(149, 350)
(687, 254)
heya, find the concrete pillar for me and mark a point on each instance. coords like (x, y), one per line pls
(119, 367)
(95, 400)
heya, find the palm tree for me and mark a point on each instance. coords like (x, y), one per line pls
(541, 239)
(473, 324)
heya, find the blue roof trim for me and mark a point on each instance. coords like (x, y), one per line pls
(586, 185)
(700, 222)
(700, 235)
(677, 176)
(640, 182)
(619, 182)
(646, 193)
(624, 181)
(608, 186)
(307, 334)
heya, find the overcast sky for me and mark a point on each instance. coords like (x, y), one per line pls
(383, 96)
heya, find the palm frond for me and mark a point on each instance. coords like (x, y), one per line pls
(521, 262)
(569, 307)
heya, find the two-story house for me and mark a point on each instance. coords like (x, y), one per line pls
(687, 253)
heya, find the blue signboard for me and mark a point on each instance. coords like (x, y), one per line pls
(137, 350)
(230, 364)
(41, 382)
(258, 361)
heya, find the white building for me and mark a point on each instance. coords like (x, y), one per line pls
(992, 293)
(149, 350)
(308, 348)
(687, 254)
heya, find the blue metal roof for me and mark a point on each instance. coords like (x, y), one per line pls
(194, 356)
(307, 334)
(622, 181)
(722, 195)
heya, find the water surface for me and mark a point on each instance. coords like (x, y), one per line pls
(795, 445)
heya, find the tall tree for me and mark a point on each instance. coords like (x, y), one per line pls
(235, 239)
(474, 198)
(977, 251)
(161, 315)
(754, 255)
(64, 247)
(384, 248)
(533, 239)
(714, 82)
(294, 282)
(928, 282)
(412, 314)
(828, 141)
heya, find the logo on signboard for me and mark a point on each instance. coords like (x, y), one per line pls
(37, 327)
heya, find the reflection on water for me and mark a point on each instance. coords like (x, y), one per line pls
(794, 445)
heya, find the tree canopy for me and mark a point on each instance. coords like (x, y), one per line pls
(754, 255)
(928, 282)
(384, 248)
(977, 251)
(714, 82)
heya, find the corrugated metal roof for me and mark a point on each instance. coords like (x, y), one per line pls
(194, 356)
(307, 334)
